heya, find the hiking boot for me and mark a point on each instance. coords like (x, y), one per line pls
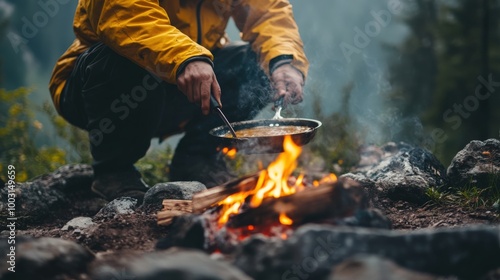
(120, 184)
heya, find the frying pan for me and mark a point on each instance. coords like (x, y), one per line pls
(265, 144)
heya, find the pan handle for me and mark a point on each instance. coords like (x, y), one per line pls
(278, 103)
(213, 103)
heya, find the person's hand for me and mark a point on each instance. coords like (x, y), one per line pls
(197, 82)
(288, 82)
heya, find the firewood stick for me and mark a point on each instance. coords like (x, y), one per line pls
(165, 222)
(333, 200)
(170, 213)
(206, 199)
(176, 204)
(166, 217)
(173, 208)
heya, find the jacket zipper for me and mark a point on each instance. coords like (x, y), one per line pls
(198, 18)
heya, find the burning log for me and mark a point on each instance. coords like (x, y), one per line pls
(325, 202)
(173, 208)
(206, 199)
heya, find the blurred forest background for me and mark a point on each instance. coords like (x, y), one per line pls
(381, 70)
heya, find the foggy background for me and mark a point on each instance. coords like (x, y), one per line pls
(401, 80)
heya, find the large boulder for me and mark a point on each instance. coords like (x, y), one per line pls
(478, 165)
(33, 202)
(170, 264)
(312, 251)
(399, 171)
(372, 267)
(50, 195)
(44, 258)
(69, 179)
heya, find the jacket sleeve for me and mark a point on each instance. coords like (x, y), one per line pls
(271, 29)
(141, 31)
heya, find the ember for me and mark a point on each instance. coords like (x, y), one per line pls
(230, 153)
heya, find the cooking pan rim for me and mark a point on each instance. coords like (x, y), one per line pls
(216, 131)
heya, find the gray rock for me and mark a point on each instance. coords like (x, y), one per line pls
(313, 249)
(403, 173)
(492, 275)
(478, 164)
(71, 178)
(170, 264)
(171, 190)
(496, 205)
(44, 196)
(78, 223)
(369, 218)
(371, 267)
(44, 258)
(187, 231)
(34, 202)
(119, 206)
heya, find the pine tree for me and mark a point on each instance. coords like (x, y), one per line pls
(461, 55)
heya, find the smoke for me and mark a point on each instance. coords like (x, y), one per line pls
(346, 43)
(6, 10)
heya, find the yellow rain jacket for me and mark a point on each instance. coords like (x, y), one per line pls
(161, 34)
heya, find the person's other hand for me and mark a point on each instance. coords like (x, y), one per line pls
(197, 82)
(289, 83)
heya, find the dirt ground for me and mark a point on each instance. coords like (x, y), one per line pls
(139, 231)
(405, 216)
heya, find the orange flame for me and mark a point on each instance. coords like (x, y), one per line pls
(285, 220)
(331, 178)
(230, 153)
(271, 183)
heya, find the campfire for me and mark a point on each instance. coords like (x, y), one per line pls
(274, 182)
(272, 202)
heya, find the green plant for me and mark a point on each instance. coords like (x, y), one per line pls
(18, 131)
(468, 196)
(472, 197)
(75, 138)
(438, 197)
(154, 166)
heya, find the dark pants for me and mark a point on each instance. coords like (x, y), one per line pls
(123, 107)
